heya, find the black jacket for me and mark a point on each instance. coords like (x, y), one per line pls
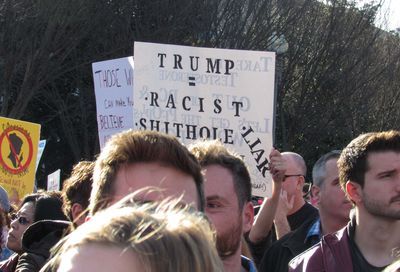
(278, 256)
(37, 241)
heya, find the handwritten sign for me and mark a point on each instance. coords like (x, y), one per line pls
(18, 153)
(113, 84)
(195, 93)
(53, 181)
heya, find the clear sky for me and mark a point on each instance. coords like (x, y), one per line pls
(390, 11)
(394, 14)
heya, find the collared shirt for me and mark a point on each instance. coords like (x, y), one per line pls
(248, 264)
(314, 233)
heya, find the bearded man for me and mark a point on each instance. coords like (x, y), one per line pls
(227, 188)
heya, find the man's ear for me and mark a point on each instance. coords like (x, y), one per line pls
(300, 183)
(247, 216)
(76, 211)
(353, 191)
(315, 194)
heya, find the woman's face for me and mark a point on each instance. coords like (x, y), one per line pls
(22, 220)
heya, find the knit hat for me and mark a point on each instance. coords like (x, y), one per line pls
(4, 202)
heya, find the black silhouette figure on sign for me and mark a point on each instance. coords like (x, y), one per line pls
(15, 150)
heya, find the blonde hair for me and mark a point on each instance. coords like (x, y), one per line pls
(167, 236)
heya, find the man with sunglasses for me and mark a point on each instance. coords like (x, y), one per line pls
(292, 210)
(334, 211)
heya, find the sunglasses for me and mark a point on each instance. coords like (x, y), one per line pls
(21, 219)
(288, 176)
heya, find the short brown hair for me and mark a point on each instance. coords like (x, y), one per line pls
(213, 152)
(77, 188)
(140, 146)
(353, 160)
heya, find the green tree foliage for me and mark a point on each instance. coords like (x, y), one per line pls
(333, 78)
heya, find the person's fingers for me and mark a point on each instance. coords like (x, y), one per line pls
(274, 152)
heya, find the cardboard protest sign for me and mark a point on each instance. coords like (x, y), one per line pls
(195, 93)
(18, 147)
(113, 85)
(53, 181)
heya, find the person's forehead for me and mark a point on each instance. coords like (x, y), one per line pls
(383, 161)
(218, 181)
(331, 166)
(86, 256)
(164, 181)
(27, 209)
(290, 163)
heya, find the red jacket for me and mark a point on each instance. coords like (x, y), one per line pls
(331, 254)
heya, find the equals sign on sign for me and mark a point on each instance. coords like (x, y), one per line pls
(192, 81)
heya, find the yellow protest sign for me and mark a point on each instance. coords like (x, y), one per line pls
(18, 151)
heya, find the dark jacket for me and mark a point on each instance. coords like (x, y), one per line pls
(306, 213)
(9, 264)
(37, 241)
(332, 254)
(278, 256)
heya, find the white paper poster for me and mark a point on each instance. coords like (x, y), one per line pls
(194, 93)
(113, 84)
(42, 145)
(53, 181)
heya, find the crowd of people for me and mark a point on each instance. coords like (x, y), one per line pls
(150, 203)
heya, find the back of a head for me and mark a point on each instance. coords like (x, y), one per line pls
(353, 160)
(213, 152)
(318, 172)
(163, 237)
(77, 188)
(48, 206)
(130, 147)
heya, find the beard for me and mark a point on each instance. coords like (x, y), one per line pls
(228, 242)
(379, 208)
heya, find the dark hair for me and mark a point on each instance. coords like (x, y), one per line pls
(47, 206)
(130, 147)
(215, 153)
(77, 188)
(353, 162)
(319, 169)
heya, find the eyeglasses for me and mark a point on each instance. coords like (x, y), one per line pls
(288, 176)
(21, 219)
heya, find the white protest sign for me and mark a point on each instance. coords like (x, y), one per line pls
(195, 93)
(42, 145)
(113, 85)
(53, 181)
